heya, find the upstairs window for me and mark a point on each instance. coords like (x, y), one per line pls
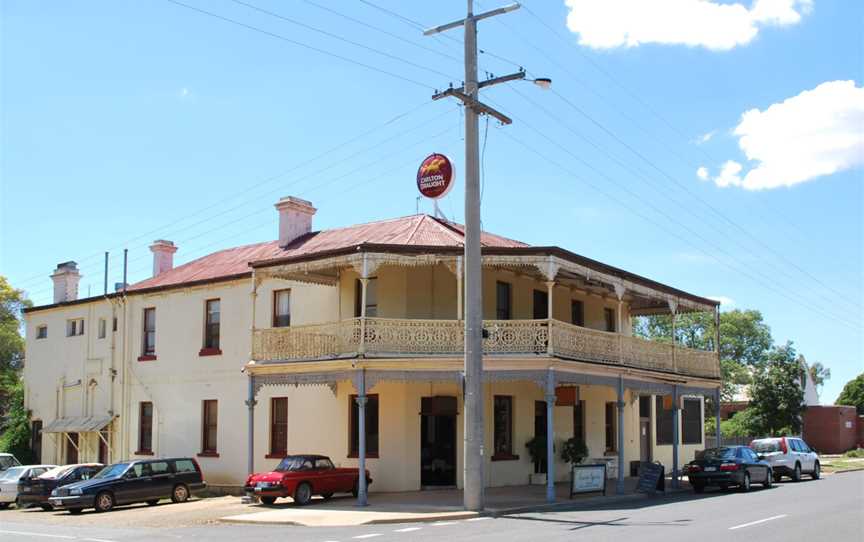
(75, 327)
(148, 347)
(282, 308)
(371, 297)
(609, 316)
(503, 301)
(102, 328)
(42, 332)
(211, 324)
(577, 313)
(541, 305)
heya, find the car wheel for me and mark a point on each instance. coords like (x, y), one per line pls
(268, 500)
(303, 494)
(699, 488)
(104, 502)
(180, 493)
(46, 507)
(778, 478)
(796, 474)
(817, 471)
(769, 479)
(153, 502)
(75, 511)
(745, 486)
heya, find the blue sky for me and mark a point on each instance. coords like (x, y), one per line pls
(127, 121)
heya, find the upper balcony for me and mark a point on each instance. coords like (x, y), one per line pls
(393, 337)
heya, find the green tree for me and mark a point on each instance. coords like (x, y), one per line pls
(14, 419)
(777, 394)
(745, 340)
(853, 394)
(818, 373)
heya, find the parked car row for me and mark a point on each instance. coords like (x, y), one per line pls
(93, 485)
(765, 461)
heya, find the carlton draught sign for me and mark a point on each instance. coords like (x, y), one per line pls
(435, 176)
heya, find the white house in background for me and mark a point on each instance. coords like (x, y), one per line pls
(304, 324)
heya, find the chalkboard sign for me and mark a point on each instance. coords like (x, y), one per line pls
(588, 479)
(652, 478)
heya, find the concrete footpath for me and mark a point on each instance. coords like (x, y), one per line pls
(432, 506)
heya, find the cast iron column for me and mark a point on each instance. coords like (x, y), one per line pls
(619, 483)
(361, 444)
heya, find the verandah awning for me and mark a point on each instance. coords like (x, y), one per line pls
(83, 424)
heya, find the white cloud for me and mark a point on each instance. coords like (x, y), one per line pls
(726, 301)
(702, 173)
(816, 133)
(706, 137)
(605, 24)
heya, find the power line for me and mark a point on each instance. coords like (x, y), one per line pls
(341, 38)
(622, 164)
(635, 96)
(671, 231)
(304, 45)
(230, 197)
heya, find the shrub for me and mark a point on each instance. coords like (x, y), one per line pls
(858, 452)
(574, 451)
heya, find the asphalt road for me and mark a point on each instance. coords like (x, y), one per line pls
(828, 509)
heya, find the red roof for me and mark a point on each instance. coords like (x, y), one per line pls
(416, 230)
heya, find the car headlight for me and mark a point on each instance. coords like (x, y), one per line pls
(75, 491)
(53, 492)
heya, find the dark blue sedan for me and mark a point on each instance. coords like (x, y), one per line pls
(728, 466)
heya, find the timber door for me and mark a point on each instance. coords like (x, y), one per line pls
(438, 441)
(540, 432)
(645, 428)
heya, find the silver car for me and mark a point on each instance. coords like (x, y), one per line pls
(788, 456)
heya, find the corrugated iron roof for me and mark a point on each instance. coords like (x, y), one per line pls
(416, 230)
(86, 424)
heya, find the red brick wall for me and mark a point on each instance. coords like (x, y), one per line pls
(831, 429)
(860, 442)
(727, 409)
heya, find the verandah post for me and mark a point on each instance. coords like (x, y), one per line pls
(361, 439)
(675, 432)
(550, 434)
(619, 483)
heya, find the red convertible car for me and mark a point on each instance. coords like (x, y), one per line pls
(302, 476)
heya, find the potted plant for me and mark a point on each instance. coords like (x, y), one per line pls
(574, 451)
(537, 450)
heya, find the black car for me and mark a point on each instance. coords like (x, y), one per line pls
(146, 480)
(37, 490)
(728, 466)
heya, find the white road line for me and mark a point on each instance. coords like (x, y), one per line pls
(96, 540)
(40, 534)
(772, 518)
(481, 518)
(443, 523)
(407, 529)
(370, 535)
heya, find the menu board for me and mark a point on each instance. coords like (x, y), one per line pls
(588, 479)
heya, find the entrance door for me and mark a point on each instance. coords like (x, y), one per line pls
(438, 441)
(645, 428)
(540, 431)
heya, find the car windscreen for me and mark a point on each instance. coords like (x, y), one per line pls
(719, 454)
(112, 471)
(56, 472)
(7, 461)
(12, 474)
(765, 446)
(291, 464)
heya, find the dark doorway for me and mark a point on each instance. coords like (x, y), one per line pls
(103, 448)
(438, 441)
(71, 448)
(645, 428)
(540, 432)
(541, 305)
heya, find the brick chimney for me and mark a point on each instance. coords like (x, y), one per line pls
(295, 219)
(163, 256)
(66, 278)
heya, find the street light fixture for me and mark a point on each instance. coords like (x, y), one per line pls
(543, 82)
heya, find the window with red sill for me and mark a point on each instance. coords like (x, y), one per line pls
(148, 335)
(145, 428)
(278, 427)
(212, 319)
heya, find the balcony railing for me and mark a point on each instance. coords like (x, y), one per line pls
(402, 337)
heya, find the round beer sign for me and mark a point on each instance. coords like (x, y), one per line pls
(435, 176)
